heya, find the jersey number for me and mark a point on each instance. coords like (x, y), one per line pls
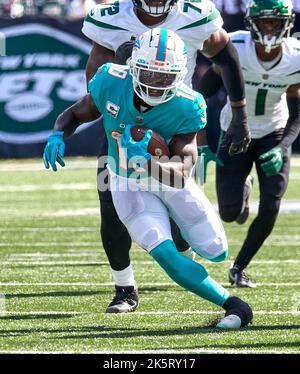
(189, 4)
(116, 135)
(110, 10)
(186, 92)
(260, 106)
(118, 71)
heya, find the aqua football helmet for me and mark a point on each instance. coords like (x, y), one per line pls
(258, 10)
(155, 8)
(158, 65)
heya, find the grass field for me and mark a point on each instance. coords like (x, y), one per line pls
(55, 282)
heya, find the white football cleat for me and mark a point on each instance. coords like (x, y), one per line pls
(231, 322)
(189, 253)
(238, 314)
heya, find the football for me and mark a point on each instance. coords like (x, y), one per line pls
(157, 145)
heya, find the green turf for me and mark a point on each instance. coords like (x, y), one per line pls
(55, 282)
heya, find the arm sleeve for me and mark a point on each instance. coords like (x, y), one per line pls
(292, 128)
(232, 75)
(209, 84)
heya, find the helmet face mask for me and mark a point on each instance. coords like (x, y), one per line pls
(158, 65)
(261, 12)
(154, 8)
(154, 87)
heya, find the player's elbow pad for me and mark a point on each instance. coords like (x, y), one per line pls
(232, 75)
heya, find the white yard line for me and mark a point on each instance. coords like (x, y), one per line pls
(155, 313)
(31, 262)
(142, 284)
(49, 229)
(81, 163)
(204, 312)
(42, 255)
(41, 313)
(269, 243)
(287, 207)
(47, 187)
(160, 351)
(50, 244)
(38, 165)
(52, 263)
(295, 161)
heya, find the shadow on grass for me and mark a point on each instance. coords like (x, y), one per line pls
(107, 332)
(35, 316)
(82, 293)
(33, 266)
(294, 344)
(17, 332)
(178, 331)
(55, 294)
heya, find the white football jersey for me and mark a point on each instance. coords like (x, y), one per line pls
(194, 21)
(265, 89)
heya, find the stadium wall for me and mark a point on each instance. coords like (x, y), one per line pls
(41, 74)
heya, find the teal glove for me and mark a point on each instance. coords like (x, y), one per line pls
(138, 150)
(206, 155)
(54, 150)
(273, 161)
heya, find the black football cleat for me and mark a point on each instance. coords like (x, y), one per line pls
(238, 314)
(125, 301)
(239, 278)
(242, 218)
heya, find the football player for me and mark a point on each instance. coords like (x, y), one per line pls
(143, 194)
(199, 24)
(270, 61)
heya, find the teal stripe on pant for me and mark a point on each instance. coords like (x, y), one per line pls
(188, 274)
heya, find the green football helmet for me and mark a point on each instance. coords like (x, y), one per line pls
(266, 9)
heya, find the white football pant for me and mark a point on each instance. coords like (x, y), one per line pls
(146, 215)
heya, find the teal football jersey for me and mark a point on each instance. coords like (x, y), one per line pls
(112, 91)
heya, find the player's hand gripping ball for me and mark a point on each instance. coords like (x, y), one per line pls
(141, 143)
(156, 146)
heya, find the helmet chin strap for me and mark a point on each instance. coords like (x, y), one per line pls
(269, 43)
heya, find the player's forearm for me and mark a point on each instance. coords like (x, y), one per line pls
(292, 128)
(82, 111)
(171, 173)
(228, 62)
(67, 123)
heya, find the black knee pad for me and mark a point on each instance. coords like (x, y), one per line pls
(230, 213)
(180, 243)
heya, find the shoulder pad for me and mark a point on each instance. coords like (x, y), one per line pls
(103, 15)
(198, 9)
(113, 71)
(294, 44)
(239, 36)
(192, 103)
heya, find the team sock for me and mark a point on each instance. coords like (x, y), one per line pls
(188, 274)
(124, 277)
